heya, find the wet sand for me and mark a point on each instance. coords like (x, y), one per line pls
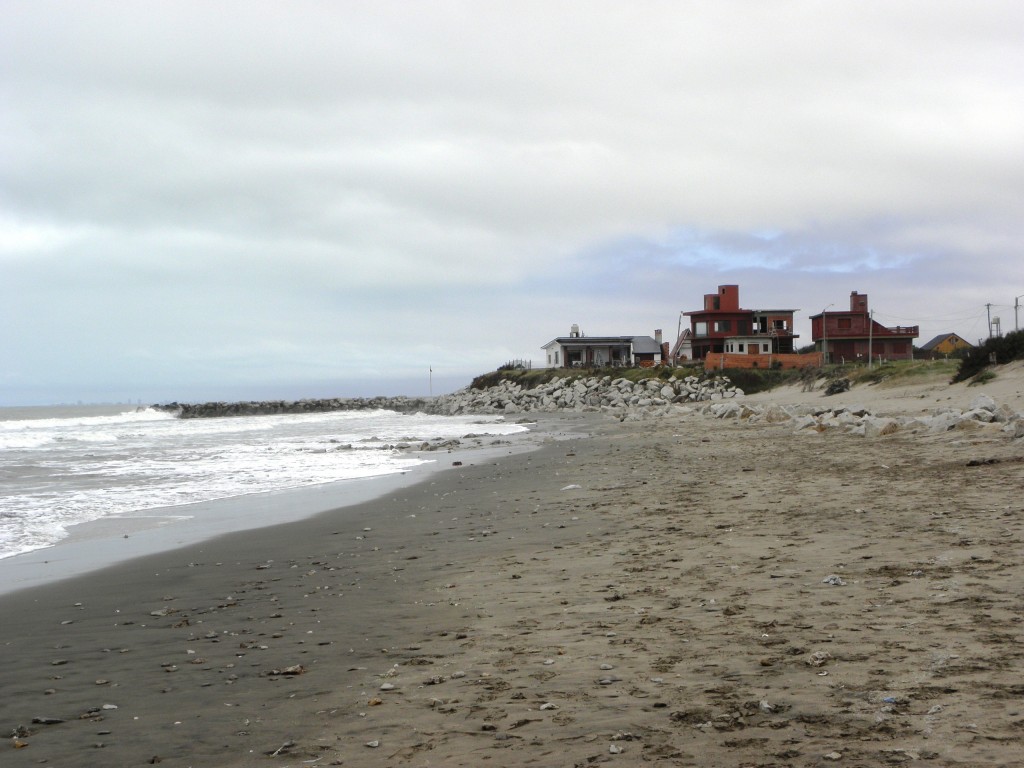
(712, 593)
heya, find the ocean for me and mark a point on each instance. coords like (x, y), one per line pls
(65, 465)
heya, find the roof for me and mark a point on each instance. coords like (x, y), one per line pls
(645, 345)
(741, 311)
(641, 344)
(941, 338)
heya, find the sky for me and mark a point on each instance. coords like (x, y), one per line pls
(235, 200)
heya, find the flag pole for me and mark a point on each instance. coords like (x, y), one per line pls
(431, 378)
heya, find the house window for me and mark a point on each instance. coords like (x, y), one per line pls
(780, 325)
(722, 325)
(765, 348)
(844, 323)
(700, 329)
(556, 358)
(740, 347)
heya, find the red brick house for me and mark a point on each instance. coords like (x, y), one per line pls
(723, 321)
(846, 336)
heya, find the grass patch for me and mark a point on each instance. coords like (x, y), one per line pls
(754, 380)
(750, 380)
(981, 378)
(897, 372)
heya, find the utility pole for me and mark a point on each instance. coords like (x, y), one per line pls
(1016, 306)
(988, 311)
(871, 330)
(824, 336)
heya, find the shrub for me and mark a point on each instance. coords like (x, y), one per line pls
(981, 378)
(1000, 350)
(837, 386)
(752, 380)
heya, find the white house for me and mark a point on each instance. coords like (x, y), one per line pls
(580, 351)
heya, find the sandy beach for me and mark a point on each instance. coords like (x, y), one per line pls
(677, 592)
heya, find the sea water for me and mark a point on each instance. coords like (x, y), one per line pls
(61, 466)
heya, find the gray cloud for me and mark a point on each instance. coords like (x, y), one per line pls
(233, 195)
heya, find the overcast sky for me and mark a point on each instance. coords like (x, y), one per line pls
(230, 200)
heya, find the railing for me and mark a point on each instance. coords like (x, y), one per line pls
(772, 332)
(903, 330)
(863, 333)
(514, 365)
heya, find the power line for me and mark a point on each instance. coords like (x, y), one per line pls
(944, 318)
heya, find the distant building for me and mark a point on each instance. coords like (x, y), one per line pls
(946, 344)
(723, 323)
(847, 336)
(579, 351)
(683, 348)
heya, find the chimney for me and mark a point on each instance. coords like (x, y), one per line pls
(574, 331)
(657, 336)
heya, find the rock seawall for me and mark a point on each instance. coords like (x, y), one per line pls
(983, 414)
(581, 394)
(648, 398)
(219, 409)
(596, 393)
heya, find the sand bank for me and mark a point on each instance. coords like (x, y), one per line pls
(677, 592)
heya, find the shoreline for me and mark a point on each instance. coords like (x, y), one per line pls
(674, 592)
(95, 652)
(110, 540)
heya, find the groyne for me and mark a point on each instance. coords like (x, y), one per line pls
(218, 409)
(592, 393)
(573, 394)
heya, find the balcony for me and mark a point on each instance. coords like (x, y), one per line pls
(879, 331)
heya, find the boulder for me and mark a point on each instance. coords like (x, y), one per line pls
(983, 402)
(875, 426)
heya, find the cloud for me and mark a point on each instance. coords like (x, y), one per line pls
(249, 192)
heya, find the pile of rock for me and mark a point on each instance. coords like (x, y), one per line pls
(596, 393)
(645, 397)
(983, 413)
(268, 407)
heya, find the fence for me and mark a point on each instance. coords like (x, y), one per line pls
(719, 360)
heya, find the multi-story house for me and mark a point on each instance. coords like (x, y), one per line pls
(723, 326)
(846, 337)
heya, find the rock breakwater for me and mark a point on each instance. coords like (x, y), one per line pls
(269, 407)
(595, 393)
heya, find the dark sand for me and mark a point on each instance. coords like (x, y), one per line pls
(677, 609)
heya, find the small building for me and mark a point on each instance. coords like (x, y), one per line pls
(748, 345)
(723, 319)
(946, 344)
(847, 337)
(580, 351)
(683, 348)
